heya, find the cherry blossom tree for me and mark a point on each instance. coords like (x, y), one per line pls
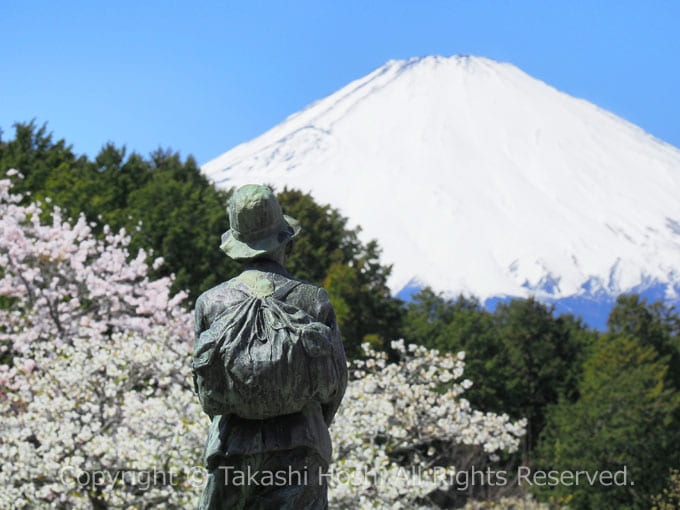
(96, 402)
(405, 433)
(96, 397)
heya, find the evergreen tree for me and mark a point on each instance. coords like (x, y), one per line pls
(168, 207)
(329, 253)
(624, 418)
(324, 239)
(524, 357)
(37, 155)
(654, 324)
(182, 216)
(541, 360)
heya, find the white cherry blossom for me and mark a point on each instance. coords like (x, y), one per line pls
(96, 401)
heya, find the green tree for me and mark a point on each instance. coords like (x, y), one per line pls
(365, 310)
(624, 418)
(168, 206)
(165, 204)
(523, 356)
(669, 498)
(37, 155)
(325, 238)
(181, 216)
(460, 325)
(329, 253)
(654, 324)
(541, 360)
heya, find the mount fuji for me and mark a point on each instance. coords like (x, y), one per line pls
(476, 178)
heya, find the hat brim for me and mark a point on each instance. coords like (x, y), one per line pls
(240, 250)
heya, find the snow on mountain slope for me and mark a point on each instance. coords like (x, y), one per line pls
(476, 178)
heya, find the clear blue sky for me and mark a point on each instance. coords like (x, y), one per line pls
(201, 77)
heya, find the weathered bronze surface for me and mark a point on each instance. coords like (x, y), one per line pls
(269, 369)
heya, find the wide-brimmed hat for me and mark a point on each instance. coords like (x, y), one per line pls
(258, 225)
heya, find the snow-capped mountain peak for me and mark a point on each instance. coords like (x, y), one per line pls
(477, 178)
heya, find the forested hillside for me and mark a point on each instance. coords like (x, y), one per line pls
(592, 400)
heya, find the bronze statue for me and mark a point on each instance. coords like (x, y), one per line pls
(269, 369)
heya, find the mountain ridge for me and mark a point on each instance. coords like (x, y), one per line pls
(477, 178)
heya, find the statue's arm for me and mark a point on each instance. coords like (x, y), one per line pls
(201, 324)
(198, 329)
(327, 316)
(198, 318)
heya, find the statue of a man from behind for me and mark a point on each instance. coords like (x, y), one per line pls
(269, 369)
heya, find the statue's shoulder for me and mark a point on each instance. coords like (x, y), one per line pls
(225, 292)
(302, 286)
(307, 296)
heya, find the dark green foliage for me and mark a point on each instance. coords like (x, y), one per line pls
(327, 252)
(541, 361)
(35, 153)
(623, 418)
(169, 207)
(182, 217)
(669, 498)
(460, 325)
(323, 240)
(597, 402)
(365, 310)
(628, 412)
(444, 324)
(521, 358)
(654, 324)
(164, 203)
